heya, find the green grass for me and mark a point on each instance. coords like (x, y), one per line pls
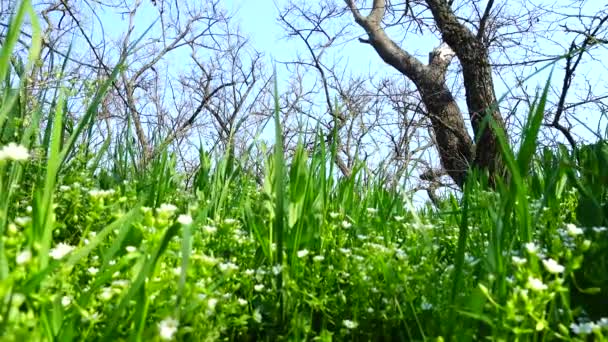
(96, 246)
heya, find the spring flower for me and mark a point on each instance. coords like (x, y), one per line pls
(573, 230)
(346, 224)
(259, 287)
(209, 229)
(167, 328)
(257, 316)
(517, 260)
(24, 257)
(241, 302)
(66, 301)
(350, 324)
(536, 284)
(372, 210)
(60, 251)
(184, 219)
(531, 247)
(318, 258)
(302, 253)
(167, 209)
(552, 266)
(130, 249)
(15, 152)
(93, 270)
(583, 328)
(211, 304)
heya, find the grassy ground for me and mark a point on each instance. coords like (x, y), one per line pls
(95, 248)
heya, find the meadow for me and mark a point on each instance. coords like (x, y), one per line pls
(97, 247)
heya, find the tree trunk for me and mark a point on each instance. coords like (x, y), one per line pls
(455, 146)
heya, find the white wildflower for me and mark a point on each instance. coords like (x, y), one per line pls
(24, 257)
(130, 249)
(66, 301)
(167, 208)
(60, 251)
(536, 284)
(106, 294)
(517, 260)
(531, 247)
(372, 210)
(573, 230)
(302, 253)
(13, 151)
(257, 316)
(93, 270)
(184, 219)
(583, 328)
(346, 224)
(334, 215)
(350, 324)
(211, 304)
(318, 258)
(259, 287)
(241, 302)
(167, 328)
(209, 229)
(23, 221)
(552, 266)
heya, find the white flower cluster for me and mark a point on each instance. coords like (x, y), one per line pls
(15, 152)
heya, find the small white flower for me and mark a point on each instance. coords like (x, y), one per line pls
(318, 258)
(167, 209)
(573, 230)
(350, 324)
(60, 251)
(184, 219)
(241, 302)
(230, 221)
(517, 260)
(531, 247)
(334, 215)
(93, 270)
(167, 328)
(276, 269)
(302, 253)
(552, 266)
(15, 152)
(536, 284)
(209, 229)
(23, 221)
(177, 271)
(259, 287)
(66, 301)
(227, 267)
(131, 249)
(106, 294)
(599, 229)
(211, 304)
(24, 257)
(257, 316)
(583, 328)
(372, 210)
(346, 224)
(399, 218)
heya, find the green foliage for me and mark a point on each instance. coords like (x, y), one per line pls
(98, 246)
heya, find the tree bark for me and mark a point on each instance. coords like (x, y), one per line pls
(456, 148)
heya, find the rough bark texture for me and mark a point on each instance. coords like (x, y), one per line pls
(456, 148)
(478, 83)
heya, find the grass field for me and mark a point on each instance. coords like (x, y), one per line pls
(94, 247)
